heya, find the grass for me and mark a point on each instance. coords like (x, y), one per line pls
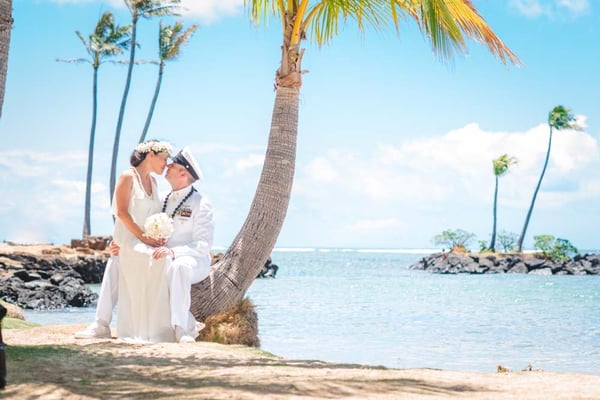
(14, 323)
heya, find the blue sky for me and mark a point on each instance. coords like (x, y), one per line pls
(394, 146)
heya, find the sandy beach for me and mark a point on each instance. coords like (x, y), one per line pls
(47, 362)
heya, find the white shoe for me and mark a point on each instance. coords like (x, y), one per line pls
(186, 339)
(94, 331)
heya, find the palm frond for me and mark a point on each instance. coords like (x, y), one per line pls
(74, 60)
(475, 27)
(172, 38)
(135, 62)
(503, 164)
(261, 10)
(561, 118)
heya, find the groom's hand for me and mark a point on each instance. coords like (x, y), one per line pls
(113, 248)
(161, 252)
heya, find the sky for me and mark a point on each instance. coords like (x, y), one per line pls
(394, 145)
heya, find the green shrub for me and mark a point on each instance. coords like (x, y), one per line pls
(507, 240)
(454, 239)
(554, 248)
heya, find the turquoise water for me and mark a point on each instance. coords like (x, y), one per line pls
(367, 307)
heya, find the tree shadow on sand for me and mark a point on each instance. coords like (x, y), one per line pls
(111, 370)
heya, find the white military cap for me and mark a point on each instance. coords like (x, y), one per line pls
(186, 159)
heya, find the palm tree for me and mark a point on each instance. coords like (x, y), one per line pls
(107, 40)
(170, 41)
(501, 166)
(444, 22)
(559, 118)
(6, 22)
(144, 9)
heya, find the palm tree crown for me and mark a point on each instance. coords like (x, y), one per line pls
(447, 24)
(107, 40)
(502, 164)
(172, 38)
(561, 118)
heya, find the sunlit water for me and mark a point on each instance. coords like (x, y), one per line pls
(353, 306)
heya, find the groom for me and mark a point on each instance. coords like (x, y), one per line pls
(188, 247)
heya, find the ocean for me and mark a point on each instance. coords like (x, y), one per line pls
(366, 307)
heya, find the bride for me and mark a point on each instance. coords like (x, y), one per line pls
(143, 310)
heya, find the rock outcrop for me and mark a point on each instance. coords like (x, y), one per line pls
(49, 277)
(498, 263)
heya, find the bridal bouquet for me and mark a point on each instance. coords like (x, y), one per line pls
(158, 226)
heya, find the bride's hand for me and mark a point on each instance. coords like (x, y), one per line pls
(151, 242)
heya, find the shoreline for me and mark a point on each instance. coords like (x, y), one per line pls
(47, 361)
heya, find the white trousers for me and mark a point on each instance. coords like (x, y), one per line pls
(182, 273)
(109, 291)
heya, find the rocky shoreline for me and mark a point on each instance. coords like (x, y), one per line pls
(499, 263)
(49, 277)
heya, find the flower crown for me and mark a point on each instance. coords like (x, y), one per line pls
(155, 146)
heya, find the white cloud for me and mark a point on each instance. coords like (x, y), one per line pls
(321, 170)
(529, 8)
(249, 162)
(207, 10)
(550, 8)
(575, 6)
(375, 224)
(29, 164)
(212, 10)
(447, 179)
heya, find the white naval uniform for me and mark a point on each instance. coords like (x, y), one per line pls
(191, 242)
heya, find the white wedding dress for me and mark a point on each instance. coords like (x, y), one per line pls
(143, 313)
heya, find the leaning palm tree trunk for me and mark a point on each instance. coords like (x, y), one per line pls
(493, 241)
(153, 104)
(6, 22)
(519, 245)
(115, 153)
(233, 275)
(88, 181)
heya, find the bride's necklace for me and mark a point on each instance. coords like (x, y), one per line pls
(164, 208)
(139, 179)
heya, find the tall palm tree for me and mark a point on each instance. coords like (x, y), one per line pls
(559, 118)
(144, 9)
(501, 166)
(6, 22)
(170, 41)
(107, 40)
(445, 22)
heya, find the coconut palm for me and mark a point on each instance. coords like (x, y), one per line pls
(559, 118)
(447, 23)
(107, 40)
(170, 41)
(143, 9)
(501, 166)
(6, 22)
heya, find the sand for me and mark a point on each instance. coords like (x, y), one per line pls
(47, 362)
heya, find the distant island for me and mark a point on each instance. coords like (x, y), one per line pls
(498, 263)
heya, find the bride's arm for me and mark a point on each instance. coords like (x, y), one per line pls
(122, 196)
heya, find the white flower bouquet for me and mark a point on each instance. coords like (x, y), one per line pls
(158, 226)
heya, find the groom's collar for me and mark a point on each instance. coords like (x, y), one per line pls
(182, 190)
